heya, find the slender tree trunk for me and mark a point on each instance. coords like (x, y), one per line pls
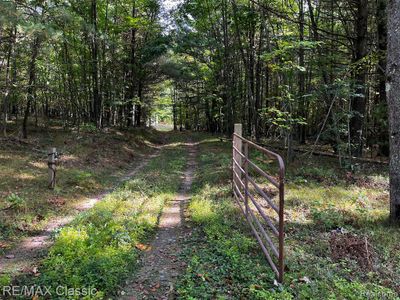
(253, 108)
(258, 83)
(31, 85)
(174, 109)
(393, 93)
(301, 92)
(96, 106)
(381, 20)
(358, 103)
(380, 100)
(9, 82)
(132, 74)
(227, 70)
(138, 107)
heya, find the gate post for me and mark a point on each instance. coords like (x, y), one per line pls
(239, 145)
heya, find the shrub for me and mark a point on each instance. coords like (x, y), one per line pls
(15, 201)
(97, 251)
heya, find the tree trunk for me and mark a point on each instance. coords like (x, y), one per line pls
(132, 74)
(301, 78)
(359, 100)
(258, 74)
(9, 82)
(174, 109)
(138, 107)
(96, 106)
(380, 100)
(381, 20)
(31, 85)
(393, 93)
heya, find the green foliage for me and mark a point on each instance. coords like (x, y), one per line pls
(314, 173)
(329, 218)
(281, 58)
(5, 280)
(98, 251)
(88, 127)
(201, 211)
(162, 107)
(280, 119)
(15, 201)
(99, 248)
(85, 180)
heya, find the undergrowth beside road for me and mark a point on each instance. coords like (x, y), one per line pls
(100, 248)
(93, 161)
(322, 203)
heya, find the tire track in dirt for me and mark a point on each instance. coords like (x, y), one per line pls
(25, 257)
(161, 265)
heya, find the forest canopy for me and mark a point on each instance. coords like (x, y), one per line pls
(300, 70)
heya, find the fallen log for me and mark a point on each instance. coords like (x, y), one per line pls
(333, 155)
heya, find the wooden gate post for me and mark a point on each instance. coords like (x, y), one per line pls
(52, 167)
(239, 145)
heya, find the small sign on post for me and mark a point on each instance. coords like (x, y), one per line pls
(52, 167)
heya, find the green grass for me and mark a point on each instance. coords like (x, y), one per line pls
(225, 261)
(98, 249)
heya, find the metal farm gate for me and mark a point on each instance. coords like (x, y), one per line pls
(262, 205)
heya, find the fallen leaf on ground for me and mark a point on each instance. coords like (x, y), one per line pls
(143, 247)
(57, 201)
(3, 245)
(156, 287)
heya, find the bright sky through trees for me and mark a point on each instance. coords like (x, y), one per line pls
(171, 4)
(167, 7)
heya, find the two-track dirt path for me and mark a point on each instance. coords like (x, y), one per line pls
(161, 265)
(25, 257)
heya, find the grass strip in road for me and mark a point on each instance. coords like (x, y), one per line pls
(101, 247)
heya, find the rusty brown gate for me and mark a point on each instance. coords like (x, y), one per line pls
(265, 210)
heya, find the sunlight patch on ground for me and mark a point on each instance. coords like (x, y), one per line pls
(24, 176)
(39, 164)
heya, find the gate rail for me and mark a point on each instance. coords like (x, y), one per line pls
(241, 180)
